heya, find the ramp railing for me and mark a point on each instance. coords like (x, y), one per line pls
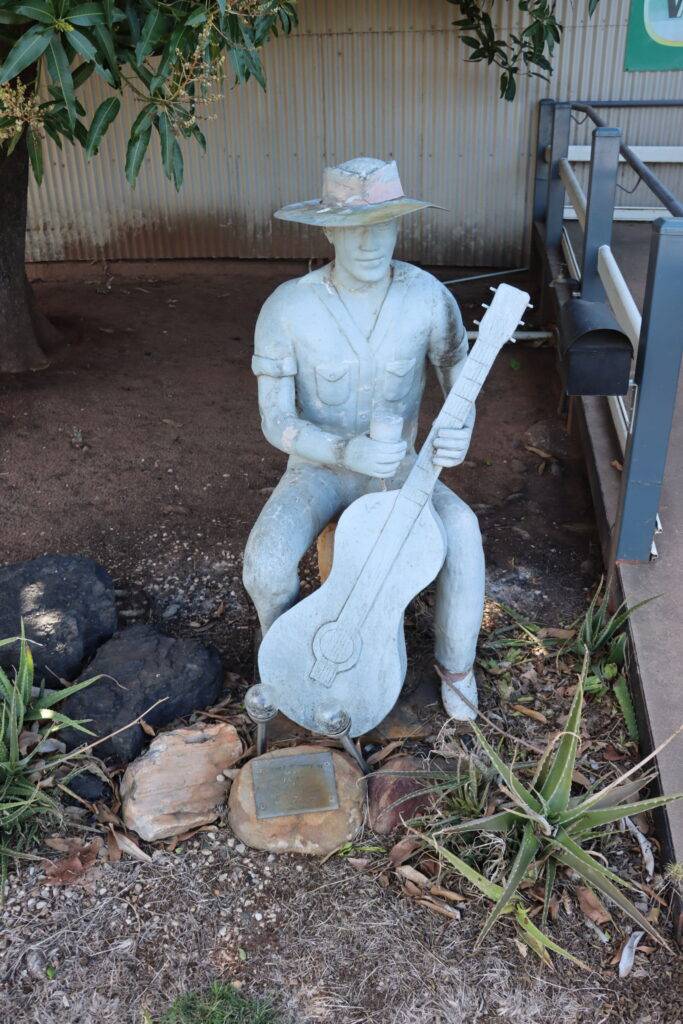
(643, 418)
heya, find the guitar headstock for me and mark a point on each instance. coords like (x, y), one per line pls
(501, 318)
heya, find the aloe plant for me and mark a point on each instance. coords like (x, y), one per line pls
(28, 757)
(550, 829)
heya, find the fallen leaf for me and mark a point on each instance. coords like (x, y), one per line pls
(403, 850)
(126, 845)
(114, 853)
(447, 894)
(147, 728)
(628, 954)
(556, 634)
(439, 908)
(610, 753)
(359, 863)
(383, 754)
(72, 868)
(410, 889)
(591, 906)
(406, 871)
(530, 713)
(541, 452)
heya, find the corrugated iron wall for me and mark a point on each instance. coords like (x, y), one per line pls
(378, 77)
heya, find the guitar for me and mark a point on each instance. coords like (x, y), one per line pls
(342, 648)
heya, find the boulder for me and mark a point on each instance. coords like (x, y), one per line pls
(178, 784)
(140, 666)
(316, 833)
(67, 605)
(396, 798)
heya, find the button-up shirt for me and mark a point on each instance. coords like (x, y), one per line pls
(342, 377)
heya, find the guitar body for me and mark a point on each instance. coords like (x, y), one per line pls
(369, 660)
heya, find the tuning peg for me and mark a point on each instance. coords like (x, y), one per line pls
(530, 305)
(476, 323)
(492, 289)
(484, 305)
(521, 324)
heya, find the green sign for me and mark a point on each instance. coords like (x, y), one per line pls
(655, 36)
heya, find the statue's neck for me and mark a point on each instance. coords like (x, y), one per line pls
(346, 283)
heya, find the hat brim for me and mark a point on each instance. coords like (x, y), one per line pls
(313, 212)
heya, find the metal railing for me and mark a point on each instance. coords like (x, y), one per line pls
(644, 426)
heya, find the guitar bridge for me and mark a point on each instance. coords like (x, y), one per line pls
(323, 672)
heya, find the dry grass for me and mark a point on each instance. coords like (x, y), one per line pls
(325, 943)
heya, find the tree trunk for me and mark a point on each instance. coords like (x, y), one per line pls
(24, 331)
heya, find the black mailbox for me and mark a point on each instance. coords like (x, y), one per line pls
(595, 354)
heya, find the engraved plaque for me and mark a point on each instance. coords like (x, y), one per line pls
(299, 784)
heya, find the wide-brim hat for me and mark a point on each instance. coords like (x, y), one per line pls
(358, 192)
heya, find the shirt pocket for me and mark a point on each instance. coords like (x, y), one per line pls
(332, 382)
(398, 378)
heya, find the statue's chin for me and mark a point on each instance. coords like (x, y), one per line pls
(370, 274)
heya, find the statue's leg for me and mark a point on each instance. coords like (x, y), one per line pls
(304, 501)
(459, 603)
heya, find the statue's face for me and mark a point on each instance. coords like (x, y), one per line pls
(365, 252)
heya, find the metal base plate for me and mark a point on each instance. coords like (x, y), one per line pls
(300, 784)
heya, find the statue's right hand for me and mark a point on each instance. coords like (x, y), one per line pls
(378, 459)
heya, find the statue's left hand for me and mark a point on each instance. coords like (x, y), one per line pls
(450, 446)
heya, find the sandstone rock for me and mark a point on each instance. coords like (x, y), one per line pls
(316, 833)
(173, 786)
(394, 799)
(140, 666)
(67, 605)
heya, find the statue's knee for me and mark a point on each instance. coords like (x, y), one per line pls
(462, 524)
(269, 570)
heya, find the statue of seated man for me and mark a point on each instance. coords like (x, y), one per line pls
(339, 353)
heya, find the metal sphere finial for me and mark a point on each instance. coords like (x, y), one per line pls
(333, 721)
(258, 703)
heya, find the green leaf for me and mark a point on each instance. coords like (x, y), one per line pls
(597, 878)
(37, 10)
(178, 165)
(514, 785)
(102, 118)
(60, 73)
(556, 787)
(621, 692)
(82, 74)
(501, 822)
(83, 45)
(137, 147)
(550, 873)
(526, 853)
(166, 140)
(154, 27)
(595, 819)
(540, 940)
(106, 49)
(490, 889)
(35, 153)
(26, 51)
(87, 14)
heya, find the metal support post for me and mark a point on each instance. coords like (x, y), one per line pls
(656, 376)
(544, 137)
(559, 147)
(602, 186)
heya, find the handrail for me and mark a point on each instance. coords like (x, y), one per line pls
(665, 196)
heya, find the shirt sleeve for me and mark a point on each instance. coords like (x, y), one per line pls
(448, 339)
(274, 354)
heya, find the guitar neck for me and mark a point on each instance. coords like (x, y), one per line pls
(461, 398)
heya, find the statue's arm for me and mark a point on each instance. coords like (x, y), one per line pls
(275, 365)
(448, 350)
(287, 431)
